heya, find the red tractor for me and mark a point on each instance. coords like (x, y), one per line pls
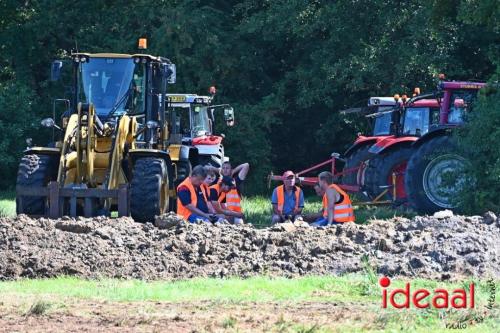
(372, 161)
(388, 157)
(433, 174)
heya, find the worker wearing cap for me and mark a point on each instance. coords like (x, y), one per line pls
(287, 199)
(218, 200)
(337, 206)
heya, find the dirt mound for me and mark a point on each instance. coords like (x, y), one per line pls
(447, 247)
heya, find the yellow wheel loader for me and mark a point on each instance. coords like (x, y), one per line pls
(110, 148)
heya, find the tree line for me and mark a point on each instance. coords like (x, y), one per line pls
(287, 66)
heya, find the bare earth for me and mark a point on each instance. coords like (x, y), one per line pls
(449, 247)
(89, 316)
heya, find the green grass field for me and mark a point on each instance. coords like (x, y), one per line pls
(258, 211)
(7, 204)
(256, 208)
(357, 293)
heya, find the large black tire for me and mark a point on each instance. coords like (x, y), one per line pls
(149, 189)
(433, 176)
(35, 171)
(378, 175)
(354, 160)
(184, 168)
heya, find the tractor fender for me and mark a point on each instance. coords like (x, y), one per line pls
(361, 141)
(43, 151)
(440, 131)
(388, 143)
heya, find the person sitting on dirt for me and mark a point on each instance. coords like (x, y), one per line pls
(191, 198)
(313, 217)
(337, 206)
(213, 176)
(287, 200)
(233, 197)
(218, 200)
(209, 181)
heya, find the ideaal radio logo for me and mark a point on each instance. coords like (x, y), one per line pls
(439, 298)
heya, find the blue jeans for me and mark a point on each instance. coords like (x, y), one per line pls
(193, 217)
(322, 222)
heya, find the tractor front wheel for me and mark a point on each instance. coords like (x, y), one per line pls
(355, 167)
(434, 176)
(34, 171)
(149, 189)
(379, 174)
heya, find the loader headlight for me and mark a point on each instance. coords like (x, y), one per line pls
(152, 124)
(47, 122)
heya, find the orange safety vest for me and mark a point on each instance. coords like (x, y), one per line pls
(342, 211)
(220, 195)
(280, 192)
(206, 191)
(233, 200)
(181, 209)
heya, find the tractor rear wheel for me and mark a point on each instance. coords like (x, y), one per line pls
(149, 189)
(357, 159)
(434, 177)
(35, 171)
(378, 175)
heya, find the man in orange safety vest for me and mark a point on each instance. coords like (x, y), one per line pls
(287, 200)
(337, 206)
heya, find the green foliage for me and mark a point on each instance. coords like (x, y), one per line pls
(479, 141)
(287, 66)
(16, 124)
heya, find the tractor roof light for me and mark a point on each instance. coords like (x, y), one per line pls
(142, 44)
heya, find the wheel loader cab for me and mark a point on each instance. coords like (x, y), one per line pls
(114, 136)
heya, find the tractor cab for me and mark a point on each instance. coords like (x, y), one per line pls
(456, 99)
(192, 119)
(383, 115)
(419, 116)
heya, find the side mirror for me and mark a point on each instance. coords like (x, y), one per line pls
(55, 70)
(170, 72)
(48, 122)
(229, 116)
